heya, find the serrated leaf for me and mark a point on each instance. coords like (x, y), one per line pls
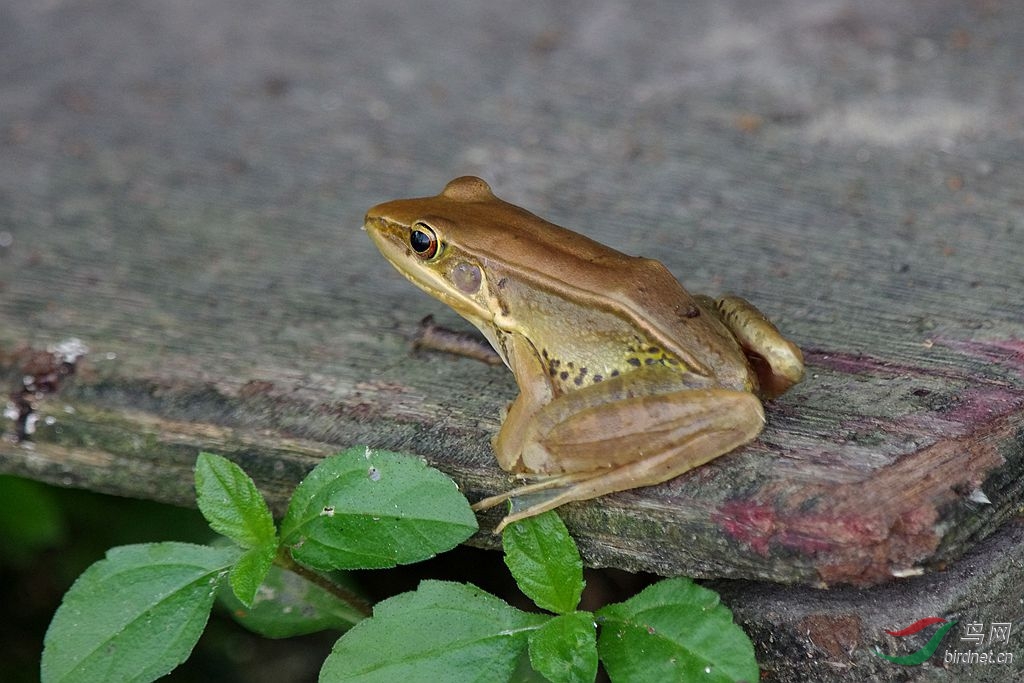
(442, 631)
(134, 615)
(674, 630)
(287, 605)
(545, 562)
(250, 571)
(231, 503)
(565, 649)
(366, 509)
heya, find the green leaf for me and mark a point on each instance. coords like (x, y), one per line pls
(135, 615)
(441, 631)
(366, 509)
(250, 571)
(544, 560)
(565, 649)
(287, 605)
(230, 502)
(674, 630)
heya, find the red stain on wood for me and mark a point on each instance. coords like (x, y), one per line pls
(890, 520)
(976, 406)
(1005, 352)
(750, 523)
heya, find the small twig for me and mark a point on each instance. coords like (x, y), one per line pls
(436, 338)
(285, 561)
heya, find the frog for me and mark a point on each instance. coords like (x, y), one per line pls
(625, 379)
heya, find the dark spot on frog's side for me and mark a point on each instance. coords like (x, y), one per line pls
(578, 381)
(564, 374)
(635, 362)
(691, 312)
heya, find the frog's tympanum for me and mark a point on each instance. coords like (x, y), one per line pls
(626, 379)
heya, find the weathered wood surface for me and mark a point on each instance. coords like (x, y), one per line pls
(182, 191)
(804, 634)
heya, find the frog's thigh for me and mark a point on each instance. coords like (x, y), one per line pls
(568, 435)
(707, 424)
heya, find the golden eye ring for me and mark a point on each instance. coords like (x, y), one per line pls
(423, 241)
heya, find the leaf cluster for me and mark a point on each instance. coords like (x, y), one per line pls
(146, 605)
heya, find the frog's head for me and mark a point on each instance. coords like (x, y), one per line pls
(437, 243)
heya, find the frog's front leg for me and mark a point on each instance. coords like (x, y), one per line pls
(626, 432)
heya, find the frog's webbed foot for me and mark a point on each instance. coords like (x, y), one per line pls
(544, 484)
(563, 482)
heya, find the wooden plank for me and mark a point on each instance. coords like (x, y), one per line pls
(831, 636)
(198, 231)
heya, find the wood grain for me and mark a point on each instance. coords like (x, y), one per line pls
(188, 206)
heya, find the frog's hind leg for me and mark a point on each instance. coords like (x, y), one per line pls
(670, 434)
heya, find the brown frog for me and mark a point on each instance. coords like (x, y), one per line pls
(626, 378)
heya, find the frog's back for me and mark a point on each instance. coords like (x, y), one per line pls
(638, 290)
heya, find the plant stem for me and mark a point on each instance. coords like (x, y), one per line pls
(285, 561)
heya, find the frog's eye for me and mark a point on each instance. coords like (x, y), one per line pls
(423, 241)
